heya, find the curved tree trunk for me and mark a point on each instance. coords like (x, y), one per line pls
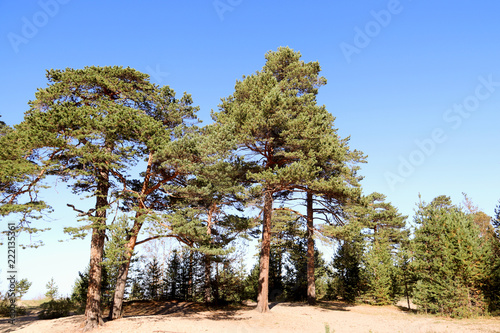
(311, 286)
(262, 298)
(116, 310)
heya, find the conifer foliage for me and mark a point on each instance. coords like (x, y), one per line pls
(88, 126)
(275, 123)
(450, 260)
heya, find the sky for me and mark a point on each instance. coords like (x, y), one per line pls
(414, 83)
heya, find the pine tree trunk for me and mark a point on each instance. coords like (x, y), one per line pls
(190, 281)
(208, 286)
(116, 310)
(93, 314)
(311, 284)
(262, 298)
(208, 290)
(216, 284)
(406, 292)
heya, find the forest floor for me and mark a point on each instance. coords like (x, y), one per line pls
(327, 316)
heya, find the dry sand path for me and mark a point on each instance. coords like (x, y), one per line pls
(284, 317)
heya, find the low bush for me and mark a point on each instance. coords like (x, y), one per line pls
(5, 308)
(56, 309)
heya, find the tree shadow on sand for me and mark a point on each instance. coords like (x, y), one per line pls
(20, 322)
(149, 308)
(29, 318)
(405, 309)
(195, 311)
(324, 305)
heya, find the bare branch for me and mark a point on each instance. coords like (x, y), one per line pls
(81, 212)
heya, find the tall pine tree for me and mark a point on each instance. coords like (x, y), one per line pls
(274, 122)
(88, 126)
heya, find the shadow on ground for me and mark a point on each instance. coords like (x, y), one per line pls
(160, 310)
(150, 308)
(30, 317)
(405, 309)
(20, 322)
(196, 311)
(325, 305)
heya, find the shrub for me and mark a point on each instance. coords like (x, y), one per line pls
(5, 308)
(56, 309)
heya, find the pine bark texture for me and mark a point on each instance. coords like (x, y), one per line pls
(262, 298)
(311, 286)
(93, 313)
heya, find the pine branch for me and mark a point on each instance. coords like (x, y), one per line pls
(81, 212)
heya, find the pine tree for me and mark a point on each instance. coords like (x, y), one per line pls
(489, 233)
(287, 228)
(404, 278)
(88, 126)
(383, 230)
(172, 280)
(152, 280)
(449, 260)
(334, 189)
(251, 283)
(296, 267)
(379, 268)
(371, 232)
(52, 289)
(22, 286)
(136, 279)
(346, 270)
(230, 280)
(274, 122)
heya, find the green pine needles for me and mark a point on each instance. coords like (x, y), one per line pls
(450, 258)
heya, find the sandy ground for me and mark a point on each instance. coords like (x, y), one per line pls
(283, 317)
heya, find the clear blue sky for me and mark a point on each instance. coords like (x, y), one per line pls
(416, 84)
